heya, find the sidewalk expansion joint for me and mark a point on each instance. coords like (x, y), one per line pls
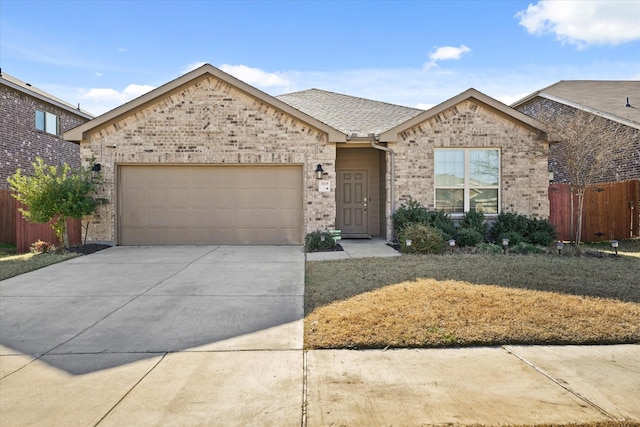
(560, 383)
(304, 389)
(130, 390)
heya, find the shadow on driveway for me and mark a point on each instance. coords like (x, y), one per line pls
(136, 302)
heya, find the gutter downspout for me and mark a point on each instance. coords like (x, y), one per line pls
(392, 183)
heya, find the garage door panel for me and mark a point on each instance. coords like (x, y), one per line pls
(210, 205)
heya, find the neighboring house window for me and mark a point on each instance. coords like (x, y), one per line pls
(47, 122)
(467, 179)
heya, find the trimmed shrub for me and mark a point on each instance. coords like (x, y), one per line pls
(468, 237)
(540, 232)
(509, 222)
(443, 222)
(409, 213)
(414, 213)
(425, 239)
(474, 220)
(514, 238)
(317, 241)
(531, 230)
(541, 238)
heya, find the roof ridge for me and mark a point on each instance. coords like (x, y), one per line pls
(351, 97)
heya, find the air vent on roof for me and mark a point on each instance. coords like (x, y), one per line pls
(628, 105)
(28, 84)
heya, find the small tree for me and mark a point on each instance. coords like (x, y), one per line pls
(589, 147)
(55, 193)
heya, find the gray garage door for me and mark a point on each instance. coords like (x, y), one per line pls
(186, 205)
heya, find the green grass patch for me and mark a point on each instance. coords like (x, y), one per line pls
(14, 265)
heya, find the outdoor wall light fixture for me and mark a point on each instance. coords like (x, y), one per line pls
(505, 245)
(614, 245)
(319, 171)
(95, 170)
(559, 246)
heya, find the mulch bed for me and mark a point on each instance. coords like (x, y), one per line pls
(88, 249)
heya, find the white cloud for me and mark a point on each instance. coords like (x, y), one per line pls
(100, 100)
(582, 23)
(255, 76)
(192, 66)
(424, 106)
(444, 53)
(99, 74)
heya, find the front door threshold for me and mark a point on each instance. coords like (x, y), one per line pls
(356, 236)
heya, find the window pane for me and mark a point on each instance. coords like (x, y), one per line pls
(449, 168)
(451, 201)
(51, 123)
(485, 201)
(484, 169)
(40, 120)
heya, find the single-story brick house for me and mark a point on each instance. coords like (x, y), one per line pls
(209, 159)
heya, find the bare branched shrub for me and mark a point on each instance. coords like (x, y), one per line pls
(588, 149)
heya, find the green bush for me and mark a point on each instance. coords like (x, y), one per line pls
(514, 238)
(443, 222)
(409, 213)
(414, 213)
(425, 239)
(541, 238)
(509, 222)
(540, 232)
(531, 230)
(474, 220)
(468, 237)
(319, 241)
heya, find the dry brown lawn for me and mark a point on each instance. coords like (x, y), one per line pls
(465, 300)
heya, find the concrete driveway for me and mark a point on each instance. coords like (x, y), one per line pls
(78, 336)
(212, 336)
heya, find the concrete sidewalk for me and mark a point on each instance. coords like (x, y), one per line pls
(478, 386)
(356, 248)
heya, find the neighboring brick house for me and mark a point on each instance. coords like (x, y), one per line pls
(31, 124)
(611, 203)
(209, 159)
(617, 101)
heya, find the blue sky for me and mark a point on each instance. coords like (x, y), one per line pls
(416, 53)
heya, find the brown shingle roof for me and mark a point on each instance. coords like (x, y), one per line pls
(604, 97)
(349, 114)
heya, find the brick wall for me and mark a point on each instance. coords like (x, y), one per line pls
(20, 142)
(524, 176)
(210, 122)
(622, 168)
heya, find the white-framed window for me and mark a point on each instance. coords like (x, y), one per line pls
(47, 122)
(467, 179)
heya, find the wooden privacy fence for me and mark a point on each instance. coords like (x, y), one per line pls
(16, 230)
(610, 211)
